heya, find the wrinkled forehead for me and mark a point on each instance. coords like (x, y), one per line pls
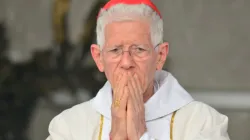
(127, 32)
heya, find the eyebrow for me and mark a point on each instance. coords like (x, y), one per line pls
(116, 46)
(132, 45)
(129, 45)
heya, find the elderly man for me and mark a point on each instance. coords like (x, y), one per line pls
(139, 101)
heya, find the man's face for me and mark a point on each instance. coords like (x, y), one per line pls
(126, 35)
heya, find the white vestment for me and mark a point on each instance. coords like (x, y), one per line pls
(193, 120)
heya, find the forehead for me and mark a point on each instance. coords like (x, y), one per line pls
(127, 32)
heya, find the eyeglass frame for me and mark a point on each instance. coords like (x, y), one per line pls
(130, 50)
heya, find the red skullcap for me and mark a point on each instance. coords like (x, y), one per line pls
(130, 2)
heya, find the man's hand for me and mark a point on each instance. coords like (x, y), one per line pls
(136, 125)
(118, 108)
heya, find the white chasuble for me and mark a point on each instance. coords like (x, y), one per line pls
(193, 120)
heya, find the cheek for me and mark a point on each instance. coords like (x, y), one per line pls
(150, 66)
(109, 73)
(147, 71)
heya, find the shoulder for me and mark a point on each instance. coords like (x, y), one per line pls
(200, 120)
(79, 111)
(83, 114)
(197, 106)
(73, 121)
(201, 109)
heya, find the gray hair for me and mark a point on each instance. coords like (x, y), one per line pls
(142, 10)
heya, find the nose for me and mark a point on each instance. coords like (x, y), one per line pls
(127, 61)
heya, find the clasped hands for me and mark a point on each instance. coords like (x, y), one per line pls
(128, 113)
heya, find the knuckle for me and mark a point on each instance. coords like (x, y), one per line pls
(118, 115)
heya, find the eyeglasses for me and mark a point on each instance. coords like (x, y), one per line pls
(136, 51)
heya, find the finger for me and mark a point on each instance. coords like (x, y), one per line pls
(117, 79)
(132, 90)
(118, 87)
(137, 88)
(138, 96)
(132, 81)
(132, 96)
(144, 83)
(138, 84)
(130, 104)
(120, 91)
(116, 74)
(124, 99)
(135, 93)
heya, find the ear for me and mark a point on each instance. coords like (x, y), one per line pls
(162, 55)
(96, 55)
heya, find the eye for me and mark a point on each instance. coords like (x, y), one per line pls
(140, 50)
(115, 50)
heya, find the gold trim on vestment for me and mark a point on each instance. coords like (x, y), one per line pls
(171, 127)
(101, 127)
